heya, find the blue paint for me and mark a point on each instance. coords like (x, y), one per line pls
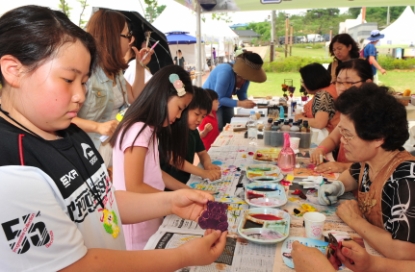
(217, 163)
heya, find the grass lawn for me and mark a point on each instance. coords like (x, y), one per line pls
(320, 53)
(398, 79)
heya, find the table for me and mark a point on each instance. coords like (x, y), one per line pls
(231, 150)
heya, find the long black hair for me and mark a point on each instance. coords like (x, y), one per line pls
(150, 107)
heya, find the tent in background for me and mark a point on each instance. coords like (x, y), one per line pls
(177, 17)
(400, 32)
(187, 44)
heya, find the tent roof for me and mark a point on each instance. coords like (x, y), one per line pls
(400, 31)
(251, 5)
(180, 38)
(176, 17)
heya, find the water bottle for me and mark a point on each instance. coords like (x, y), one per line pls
(286, 158)
(252, 128)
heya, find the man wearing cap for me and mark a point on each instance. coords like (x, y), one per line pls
(229, 79)
(369, 52)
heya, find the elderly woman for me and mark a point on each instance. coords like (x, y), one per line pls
(373, 126)
(349, 73)
(343, 48)
(319, 112)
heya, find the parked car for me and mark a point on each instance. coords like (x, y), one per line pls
(314, 38)
(300, 39)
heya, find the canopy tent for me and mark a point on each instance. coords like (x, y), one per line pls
(180, 38)
(400, 32)
(349, 23)
(176, 17)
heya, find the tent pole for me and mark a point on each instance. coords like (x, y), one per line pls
(198, 47)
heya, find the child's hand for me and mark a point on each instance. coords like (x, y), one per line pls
(189, 203)
(208, 127)
(107, 128)
(205, 250)
(211, 174)
(212, 166)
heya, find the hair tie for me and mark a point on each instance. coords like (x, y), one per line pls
(178, 84)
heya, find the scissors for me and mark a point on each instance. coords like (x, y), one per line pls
(332, 251)
(332, 248)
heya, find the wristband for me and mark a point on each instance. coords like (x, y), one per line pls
(323, 147)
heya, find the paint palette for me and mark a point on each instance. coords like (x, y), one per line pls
(265, 225)
(262, 194)
(261, 170)
(267, 155)
(268, 179)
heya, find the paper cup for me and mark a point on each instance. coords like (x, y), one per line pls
(314, 224)
(295, 143)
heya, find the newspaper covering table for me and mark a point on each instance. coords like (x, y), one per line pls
(232, 152)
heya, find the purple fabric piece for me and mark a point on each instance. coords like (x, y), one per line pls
(215, 216)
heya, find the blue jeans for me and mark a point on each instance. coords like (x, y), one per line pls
(224, 115)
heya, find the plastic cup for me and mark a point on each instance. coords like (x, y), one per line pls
(295, 143)
(314, 224)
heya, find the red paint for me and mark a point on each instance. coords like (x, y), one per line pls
(265, 216)
(252, 195)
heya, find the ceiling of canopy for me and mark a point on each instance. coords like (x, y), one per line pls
(252, 5)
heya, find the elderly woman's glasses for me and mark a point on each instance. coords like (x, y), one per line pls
(346, 135)
(127, 36)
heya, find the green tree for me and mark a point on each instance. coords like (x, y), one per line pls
(379, 14)
(153, 10)
(65, 8)
(222, 16)
(313, 21)
(84, 4)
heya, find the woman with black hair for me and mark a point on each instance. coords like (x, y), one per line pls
(373, 129)
(319, 111)
(343, 48)
(350, 73)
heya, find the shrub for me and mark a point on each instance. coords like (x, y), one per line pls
(389, 63)
(291, 64)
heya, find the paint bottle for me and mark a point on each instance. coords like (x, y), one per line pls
(286, 158)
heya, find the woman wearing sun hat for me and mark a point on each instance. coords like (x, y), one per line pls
(369, 52)
(230, 79)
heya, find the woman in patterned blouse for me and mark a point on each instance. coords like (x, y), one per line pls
(374, 128)
(319, 111)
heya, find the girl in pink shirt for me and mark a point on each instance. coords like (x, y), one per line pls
(136, 164)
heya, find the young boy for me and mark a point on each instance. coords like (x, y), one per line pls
(200, 106)
(209, 128)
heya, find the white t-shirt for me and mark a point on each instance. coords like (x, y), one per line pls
(36, 232)
(129, 74)
(137, 235)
